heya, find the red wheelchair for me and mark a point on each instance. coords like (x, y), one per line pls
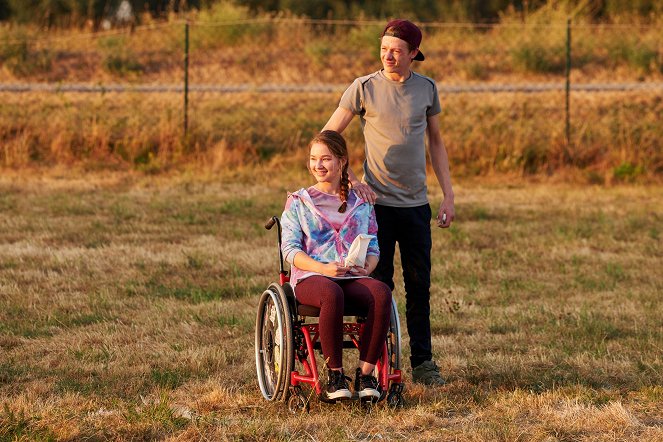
(285, 345)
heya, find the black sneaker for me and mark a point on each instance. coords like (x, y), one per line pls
(337, 386)
(367, 387)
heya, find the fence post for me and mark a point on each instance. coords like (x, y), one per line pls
(568, 82)
(186, 79)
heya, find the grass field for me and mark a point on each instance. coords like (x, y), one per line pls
(127, 307)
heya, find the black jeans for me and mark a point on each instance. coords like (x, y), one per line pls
(410, 228)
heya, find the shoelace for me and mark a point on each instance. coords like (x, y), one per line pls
(339, 380)
(368, 381)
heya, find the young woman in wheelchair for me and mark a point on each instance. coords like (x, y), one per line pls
(319, 225)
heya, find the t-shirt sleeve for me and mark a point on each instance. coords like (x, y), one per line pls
(435, 107)
(352, 99)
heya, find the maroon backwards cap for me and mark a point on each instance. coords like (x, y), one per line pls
(407, 31)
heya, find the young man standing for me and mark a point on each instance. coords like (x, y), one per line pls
(398, 108)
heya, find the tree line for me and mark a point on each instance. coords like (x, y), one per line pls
(72, 13)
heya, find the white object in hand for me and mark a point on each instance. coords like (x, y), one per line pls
(357, 253)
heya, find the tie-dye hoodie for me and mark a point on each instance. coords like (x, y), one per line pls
(306, 229)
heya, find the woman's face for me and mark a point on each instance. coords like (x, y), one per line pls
(325, 167)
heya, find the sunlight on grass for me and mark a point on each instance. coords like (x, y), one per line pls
(128, 308)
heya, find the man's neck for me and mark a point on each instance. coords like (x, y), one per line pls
(397, 76)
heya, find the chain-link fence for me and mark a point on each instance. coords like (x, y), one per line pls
(516, 96)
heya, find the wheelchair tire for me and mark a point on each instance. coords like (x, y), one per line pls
(298, 402)
(395, 400)
(274, 346)
(393, 341)
(287, 296)
(394, 338)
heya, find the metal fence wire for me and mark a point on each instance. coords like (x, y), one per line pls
(264, 86)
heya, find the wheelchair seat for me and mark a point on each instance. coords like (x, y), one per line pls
(314, 312)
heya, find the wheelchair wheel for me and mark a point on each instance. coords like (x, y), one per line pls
(394, 338)
(393, 346)
(274, 346)
(395, 396)
(298, 402)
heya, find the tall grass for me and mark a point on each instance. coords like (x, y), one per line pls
(615, 136)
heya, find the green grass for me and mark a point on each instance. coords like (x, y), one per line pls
(127, 307)
(19, 426)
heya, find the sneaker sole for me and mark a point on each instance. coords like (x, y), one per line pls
(340, 394)
(369, 394)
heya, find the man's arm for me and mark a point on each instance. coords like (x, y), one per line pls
(338, 122)
(440, 162)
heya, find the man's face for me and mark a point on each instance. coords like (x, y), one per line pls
(396, 56)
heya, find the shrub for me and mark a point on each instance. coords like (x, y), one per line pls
(318, 51)
(535, 56)
(18, 54)
(119, 59)
(218, 27)
(641, 55)
(476, 70)
(627, 172)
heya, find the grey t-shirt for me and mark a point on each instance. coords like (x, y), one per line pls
(393, 117)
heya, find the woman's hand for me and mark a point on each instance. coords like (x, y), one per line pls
(306, 263)
(371, 263)
(358, 271)
(334, 269)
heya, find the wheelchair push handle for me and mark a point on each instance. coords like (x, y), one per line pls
(270, 223)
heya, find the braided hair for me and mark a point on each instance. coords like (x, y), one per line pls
(345, 188)
(337, 146)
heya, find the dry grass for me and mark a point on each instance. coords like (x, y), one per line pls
(615, 136)
(127, 306)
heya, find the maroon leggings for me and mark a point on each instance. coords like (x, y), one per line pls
(331, 297)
